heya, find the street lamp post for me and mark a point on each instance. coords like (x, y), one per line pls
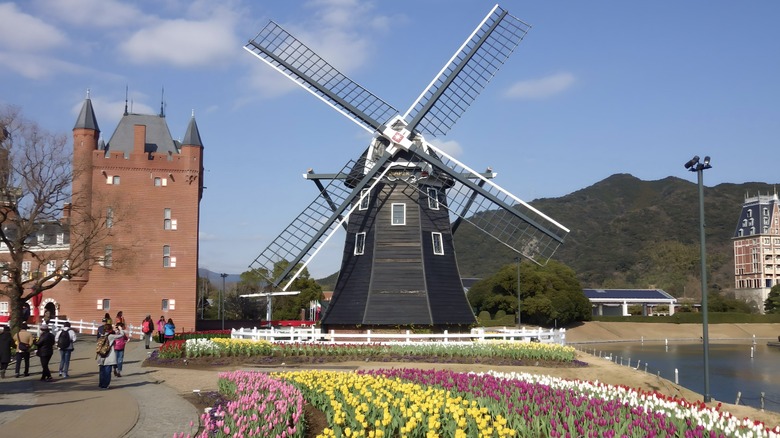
(222, 305)
(695, 166)
(519, 321)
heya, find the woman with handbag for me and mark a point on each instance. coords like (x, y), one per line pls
(24, 340)
(45, 351)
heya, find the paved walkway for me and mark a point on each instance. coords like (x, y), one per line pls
(136, 405)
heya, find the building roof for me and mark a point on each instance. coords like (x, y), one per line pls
(86, 118)
(158, 137)
(637, 295)
(192, 136)
(756, 216)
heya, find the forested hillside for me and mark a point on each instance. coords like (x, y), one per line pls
(626, 232)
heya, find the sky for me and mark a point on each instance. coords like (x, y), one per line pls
(595, 88)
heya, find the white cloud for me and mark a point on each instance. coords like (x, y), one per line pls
(24, 33)
(37, 66)
(541, 88)
(184, 43)
(451, 147)
(94, 13)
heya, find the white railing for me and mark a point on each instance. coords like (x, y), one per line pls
(296, 334)
(83, 327)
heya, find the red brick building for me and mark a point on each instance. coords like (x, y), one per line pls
(757, 249)
(148, 188)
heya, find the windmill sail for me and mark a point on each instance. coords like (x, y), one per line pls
(282, 51)
(397, 202)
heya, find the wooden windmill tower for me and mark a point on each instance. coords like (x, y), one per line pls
(401, 200)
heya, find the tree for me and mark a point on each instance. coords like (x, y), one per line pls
(549, 294)
(772, 303)
(35, 186)
(284, 307)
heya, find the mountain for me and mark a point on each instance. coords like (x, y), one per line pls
(215, 278)
(626, 232)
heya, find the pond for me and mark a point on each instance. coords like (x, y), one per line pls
(732, 369)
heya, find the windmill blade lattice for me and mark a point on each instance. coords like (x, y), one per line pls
(314, 226)
(494, 210)
(466, 74)
(285, 53)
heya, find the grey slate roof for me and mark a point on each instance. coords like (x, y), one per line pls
(86, 119)
(756, 215)
(192, 136)
(627, 294)
(158, 137)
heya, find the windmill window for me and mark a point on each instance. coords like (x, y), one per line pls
(398, 212)
(438, 244)
(433, 198)
(360, 243)
(365, 197)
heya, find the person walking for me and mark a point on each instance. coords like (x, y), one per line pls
(119, 318)
(161, 329)
(119, 348)
(24, 341)
(6, 343)
(107, 319)
(65, 340)
(45, 351)
(107, 362)
(170, 330)
(147, 328)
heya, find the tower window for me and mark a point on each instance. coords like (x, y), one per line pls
(398, 213)
(433, 198)
(167, 219)
(438, 244)
(114, 179)
(108, 256)
(164, 305)
(365, 197)
(360, 243)
(166, 256)
(109, 217)
(157, 181)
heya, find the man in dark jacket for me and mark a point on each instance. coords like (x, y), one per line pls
(45, 344)
(6, 343)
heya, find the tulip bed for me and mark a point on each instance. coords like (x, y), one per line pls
(512, 351)
(431, 403)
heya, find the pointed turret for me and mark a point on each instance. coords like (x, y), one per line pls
(192, 136)
(86, 119)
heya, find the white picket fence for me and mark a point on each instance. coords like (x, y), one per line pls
(83, 327)
(296, 334)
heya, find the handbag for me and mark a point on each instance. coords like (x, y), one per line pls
(22, 345)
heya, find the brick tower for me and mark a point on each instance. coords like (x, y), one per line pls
(147, 188)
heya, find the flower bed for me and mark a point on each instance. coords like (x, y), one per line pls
(413, 402)
(471, 352)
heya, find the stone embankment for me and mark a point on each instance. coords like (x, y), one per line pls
(595, 331)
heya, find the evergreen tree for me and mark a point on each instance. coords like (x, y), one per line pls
(772, 303)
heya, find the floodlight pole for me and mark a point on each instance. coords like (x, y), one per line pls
(222, 306)
(695, 166)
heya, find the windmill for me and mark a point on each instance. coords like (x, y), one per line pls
(403, 198)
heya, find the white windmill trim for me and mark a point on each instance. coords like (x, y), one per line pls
(454, 55)
(345, 217)
(344, 113)
(515, 198)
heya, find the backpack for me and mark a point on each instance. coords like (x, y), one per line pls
(148, 326)
(103, 346)
(63, 341)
